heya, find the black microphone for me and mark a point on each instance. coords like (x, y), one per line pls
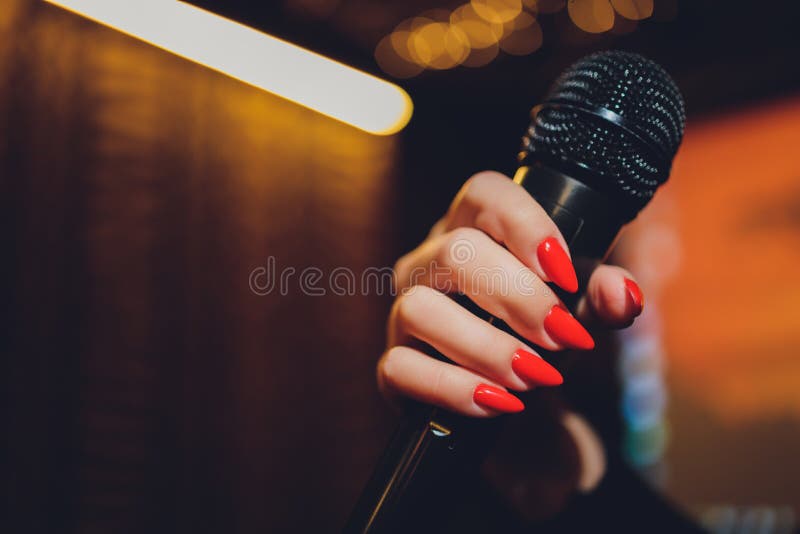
(597, 149)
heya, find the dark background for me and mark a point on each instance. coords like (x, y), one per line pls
(146, 388)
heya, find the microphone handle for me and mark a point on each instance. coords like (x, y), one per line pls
(433, 452)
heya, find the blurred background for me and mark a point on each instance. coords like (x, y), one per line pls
(147, 388)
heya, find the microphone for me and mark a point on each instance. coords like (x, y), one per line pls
(596, 151)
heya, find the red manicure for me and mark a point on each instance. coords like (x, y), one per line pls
(535, 370)
(497, 399)
(564, 329)
(556, 264)
(635, 293)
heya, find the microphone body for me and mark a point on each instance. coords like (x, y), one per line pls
(596, 151)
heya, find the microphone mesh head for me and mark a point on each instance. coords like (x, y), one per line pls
(614, 120)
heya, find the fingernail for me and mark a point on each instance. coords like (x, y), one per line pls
(531, 368)
(497, 399)
(564, 329)
(556, 264)
(635, 294)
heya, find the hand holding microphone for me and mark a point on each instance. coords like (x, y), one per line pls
(605, 135)
(597, 149)
(499, 247)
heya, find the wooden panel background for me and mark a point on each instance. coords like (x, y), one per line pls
(148, 387)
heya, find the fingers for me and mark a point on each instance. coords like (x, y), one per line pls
(502, 209)
(403, 370)
(468, 261)
(430, 316)
(498, 247)
(613, 298)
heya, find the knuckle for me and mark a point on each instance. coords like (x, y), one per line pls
(459, 247)
(414, 304)
(477, 183)
(476, 187)
(462, 235)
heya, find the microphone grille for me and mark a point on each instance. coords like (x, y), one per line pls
(615, 119)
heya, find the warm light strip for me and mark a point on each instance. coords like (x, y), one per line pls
(294, 73)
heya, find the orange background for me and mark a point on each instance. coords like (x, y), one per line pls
(718, 256)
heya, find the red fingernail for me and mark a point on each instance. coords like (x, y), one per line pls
(564, 329)
(556, 264)
(635, 293)
(535, 370)
(497, 399)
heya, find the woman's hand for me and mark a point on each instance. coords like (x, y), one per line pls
(497, 246)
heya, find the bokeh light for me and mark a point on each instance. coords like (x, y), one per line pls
(497, 11)
(438, 45)
(474, 33)
(592, 16)
(526, 37)
(399, 40)
(480, 32)
(470, 35)
(390, 61)
(633, 9)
